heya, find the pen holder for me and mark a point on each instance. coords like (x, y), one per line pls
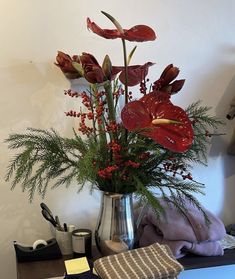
(64, 240)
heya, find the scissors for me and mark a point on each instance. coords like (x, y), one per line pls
(47, 214)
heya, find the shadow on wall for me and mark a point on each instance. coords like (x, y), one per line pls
(30, 92)
(216, 88)
(18, 222)
(220, 147)
(33, 97)
(24, 219)
(73, 207)
(32, 74)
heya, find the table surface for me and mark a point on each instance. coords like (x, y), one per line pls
(54, 268)
(40, 269)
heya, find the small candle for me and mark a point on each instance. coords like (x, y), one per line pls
(81, 241)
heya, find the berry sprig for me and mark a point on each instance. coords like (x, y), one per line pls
(177, 169)
(72, 93)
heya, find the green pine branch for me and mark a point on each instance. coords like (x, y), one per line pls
(45, 158)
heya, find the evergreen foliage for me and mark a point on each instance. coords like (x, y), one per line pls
(45, 156)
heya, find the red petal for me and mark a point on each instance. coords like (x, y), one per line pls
(105, 33)
(168, 67)
(153, 99)
(135, 116)
(138, 33)
(116, 70)
(87, 58)
(170, 75)
(177, 85)
(64, 62)
(175, 137)
(93, 74)
(135, 73)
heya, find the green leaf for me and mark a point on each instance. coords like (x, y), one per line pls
(78, 67)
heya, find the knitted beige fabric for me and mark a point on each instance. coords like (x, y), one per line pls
(152, 262)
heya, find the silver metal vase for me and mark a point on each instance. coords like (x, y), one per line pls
(115, 230)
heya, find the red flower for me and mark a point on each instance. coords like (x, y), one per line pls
(92, 70)
(167, 76)
(138, 33)
(65, 63)
(160, 120)
(89, 68)
(135, 73)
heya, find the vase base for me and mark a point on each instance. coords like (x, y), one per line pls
(115, 231)
(116, 247)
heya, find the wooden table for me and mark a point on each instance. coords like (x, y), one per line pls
(47, 269)
(53, 268)
(41, 269)
(193, 261)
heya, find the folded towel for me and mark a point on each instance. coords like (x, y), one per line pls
(180, 248)
(153, 262)
(183, 233)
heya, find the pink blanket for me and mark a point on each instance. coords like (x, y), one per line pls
(181, 233)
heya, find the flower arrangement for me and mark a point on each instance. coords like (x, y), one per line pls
(146, 147)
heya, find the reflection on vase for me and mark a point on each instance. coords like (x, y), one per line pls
(115, 230)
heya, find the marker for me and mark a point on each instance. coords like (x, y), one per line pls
(65, 227)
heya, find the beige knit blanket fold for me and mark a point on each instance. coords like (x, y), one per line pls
(152, 262)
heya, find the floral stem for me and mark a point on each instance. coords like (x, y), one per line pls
(125, 70)
(101, 128)
(109, 98)
(93, 118)
(126, 79)
(120, 29)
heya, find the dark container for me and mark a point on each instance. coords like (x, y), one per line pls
(81, 242)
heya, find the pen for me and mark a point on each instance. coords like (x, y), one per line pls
(65, 227)
(58, 223)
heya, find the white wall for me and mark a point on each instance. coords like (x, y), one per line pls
(198, 36)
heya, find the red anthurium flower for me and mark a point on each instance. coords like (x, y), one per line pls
(138, 33)
(177, 85)
(64, 62)
(87, 58)
(167, 76)
(160, 120)
(135, 116)
(92, 70)
(135, 73)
